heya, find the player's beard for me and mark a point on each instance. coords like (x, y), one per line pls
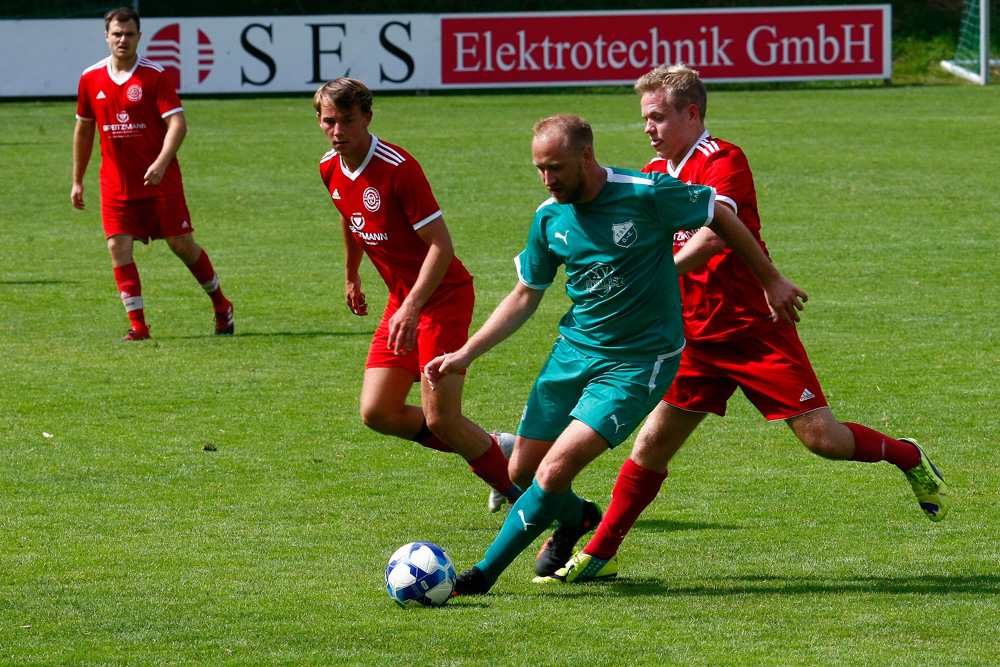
(573, 190)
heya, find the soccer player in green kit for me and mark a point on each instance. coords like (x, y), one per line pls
(619, 344)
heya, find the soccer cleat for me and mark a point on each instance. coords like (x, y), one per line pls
(506, 443)
(471, 582)
(224, 321)
(928, 485)
(135, 334)
(557, 549)
(582, 567)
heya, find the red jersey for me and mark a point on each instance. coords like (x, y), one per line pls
(130, 121)
(385, 202)
(722, 299)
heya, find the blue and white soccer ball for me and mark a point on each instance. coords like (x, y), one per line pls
(420, 574)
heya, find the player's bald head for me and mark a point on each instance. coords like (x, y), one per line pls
(573, 130)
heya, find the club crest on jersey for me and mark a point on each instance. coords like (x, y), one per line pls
(371, 199)
(122, 116)
(600, 279)
(134, 92)
(357, 222)
(624, 233)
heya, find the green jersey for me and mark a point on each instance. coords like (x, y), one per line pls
(618, 253)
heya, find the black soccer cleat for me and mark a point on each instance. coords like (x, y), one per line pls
(224, 321)
(472, 582)
(558, 549)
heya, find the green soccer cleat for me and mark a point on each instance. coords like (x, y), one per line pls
(582, 567)
(928, 485)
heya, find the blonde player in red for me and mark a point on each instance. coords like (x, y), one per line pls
(388, 212)
(132, 102)
(732, 339)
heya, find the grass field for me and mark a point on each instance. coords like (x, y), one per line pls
(195, 500)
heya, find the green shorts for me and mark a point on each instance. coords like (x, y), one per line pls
(611, 397)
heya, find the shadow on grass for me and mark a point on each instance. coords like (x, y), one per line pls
(280, 334)
(664, 525)
(790, 586)
(38, 282)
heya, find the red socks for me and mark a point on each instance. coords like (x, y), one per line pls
(209, 280)
(130, 290)
(491, 467)
(871, 446)
(635, 489)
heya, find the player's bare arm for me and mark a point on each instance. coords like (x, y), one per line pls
(784, 297)
(353, 254)
(516, 308)
(83, 146)
(703, 246)
(403, 324)
(176, 131)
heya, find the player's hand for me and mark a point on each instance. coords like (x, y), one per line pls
(154, 175)
(76, 195)
(356, 298)
(446, 364)
(403, 329)
(785, 300)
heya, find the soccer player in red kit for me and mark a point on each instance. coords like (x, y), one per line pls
(133, 104)
(732, 339)
(387, 211)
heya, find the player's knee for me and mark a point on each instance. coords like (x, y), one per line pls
(377, 418)
(553, 477)
(520, 474)
(442, 425)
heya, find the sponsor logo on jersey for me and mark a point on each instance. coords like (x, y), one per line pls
(600, 279)
(371, 199)
(101, 95)
(694, 193)
(371, 238)
(134, 92)
(336, 194)
(124, 128)
(624, 233)
(122, 117)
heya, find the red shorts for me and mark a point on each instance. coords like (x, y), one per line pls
(772, 369)
(161, 217)
(442, 327)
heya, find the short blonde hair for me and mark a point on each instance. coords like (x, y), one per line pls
(344, 93)
(682, 83)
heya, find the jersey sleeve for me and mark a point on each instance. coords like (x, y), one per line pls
(414, 194)
(167, 101)
(537, 265)
(683, 206)
(83, 109)
(729, 173)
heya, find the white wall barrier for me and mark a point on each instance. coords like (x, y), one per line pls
(283, 54)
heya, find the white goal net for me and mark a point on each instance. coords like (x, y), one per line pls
(972, 57)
